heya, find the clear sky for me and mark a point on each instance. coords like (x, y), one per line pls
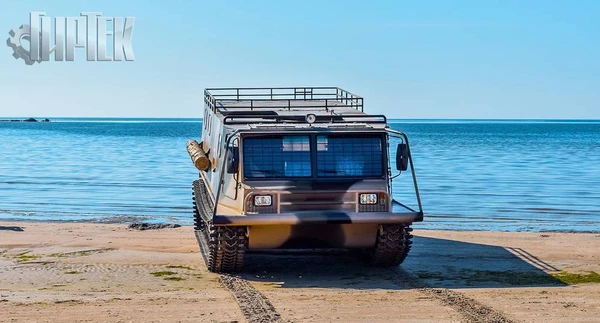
(409, 59)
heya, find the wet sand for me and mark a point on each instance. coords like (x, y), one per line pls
(66, 272)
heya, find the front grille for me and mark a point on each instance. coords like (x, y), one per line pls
(321, 201)
(285, 202)
(373, 208)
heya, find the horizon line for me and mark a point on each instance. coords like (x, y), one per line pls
(3, 118)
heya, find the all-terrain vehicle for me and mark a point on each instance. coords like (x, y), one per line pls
(298, 168)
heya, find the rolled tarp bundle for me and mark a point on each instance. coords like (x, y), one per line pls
(198, 155)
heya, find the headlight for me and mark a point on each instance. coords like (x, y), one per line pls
(263, 200)
(367, 199)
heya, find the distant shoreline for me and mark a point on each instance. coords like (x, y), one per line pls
(25, 120)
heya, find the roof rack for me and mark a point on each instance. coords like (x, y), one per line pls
(237, 118)
(249, 99)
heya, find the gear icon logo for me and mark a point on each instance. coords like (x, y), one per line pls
(17, 35)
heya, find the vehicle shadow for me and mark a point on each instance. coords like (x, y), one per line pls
(432, 262)
(14, 228)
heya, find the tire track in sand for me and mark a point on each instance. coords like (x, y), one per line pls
(472, 310)
(256, 307)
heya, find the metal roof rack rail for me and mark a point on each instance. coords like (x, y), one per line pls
(220, 100)
(275, 118)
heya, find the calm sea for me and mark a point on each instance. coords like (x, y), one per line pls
(473, 175)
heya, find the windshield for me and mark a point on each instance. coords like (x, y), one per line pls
(349, 156)
(277, 156)
(339, 155)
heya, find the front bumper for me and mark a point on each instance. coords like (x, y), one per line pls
(318, 217)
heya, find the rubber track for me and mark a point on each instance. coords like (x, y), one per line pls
(392, 246)
(221, 247)
(202, 207)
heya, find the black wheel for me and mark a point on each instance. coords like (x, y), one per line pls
(222, 247)
(392, 245)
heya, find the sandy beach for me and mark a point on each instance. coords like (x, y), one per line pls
(67, 272)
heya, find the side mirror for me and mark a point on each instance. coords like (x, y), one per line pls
(233, 160)
(402, 157)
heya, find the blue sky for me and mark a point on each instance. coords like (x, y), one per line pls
(417, 59)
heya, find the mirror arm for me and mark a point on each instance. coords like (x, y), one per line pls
(223, 171)
(410, 164)
(236, 176)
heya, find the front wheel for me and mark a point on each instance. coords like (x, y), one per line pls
(392, 245)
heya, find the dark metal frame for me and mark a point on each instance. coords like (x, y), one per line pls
(330, 97)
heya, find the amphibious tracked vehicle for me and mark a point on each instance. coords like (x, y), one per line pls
(301, 167)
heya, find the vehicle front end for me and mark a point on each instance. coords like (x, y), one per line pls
(315, 189)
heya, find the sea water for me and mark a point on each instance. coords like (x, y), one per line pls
(517, 175)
